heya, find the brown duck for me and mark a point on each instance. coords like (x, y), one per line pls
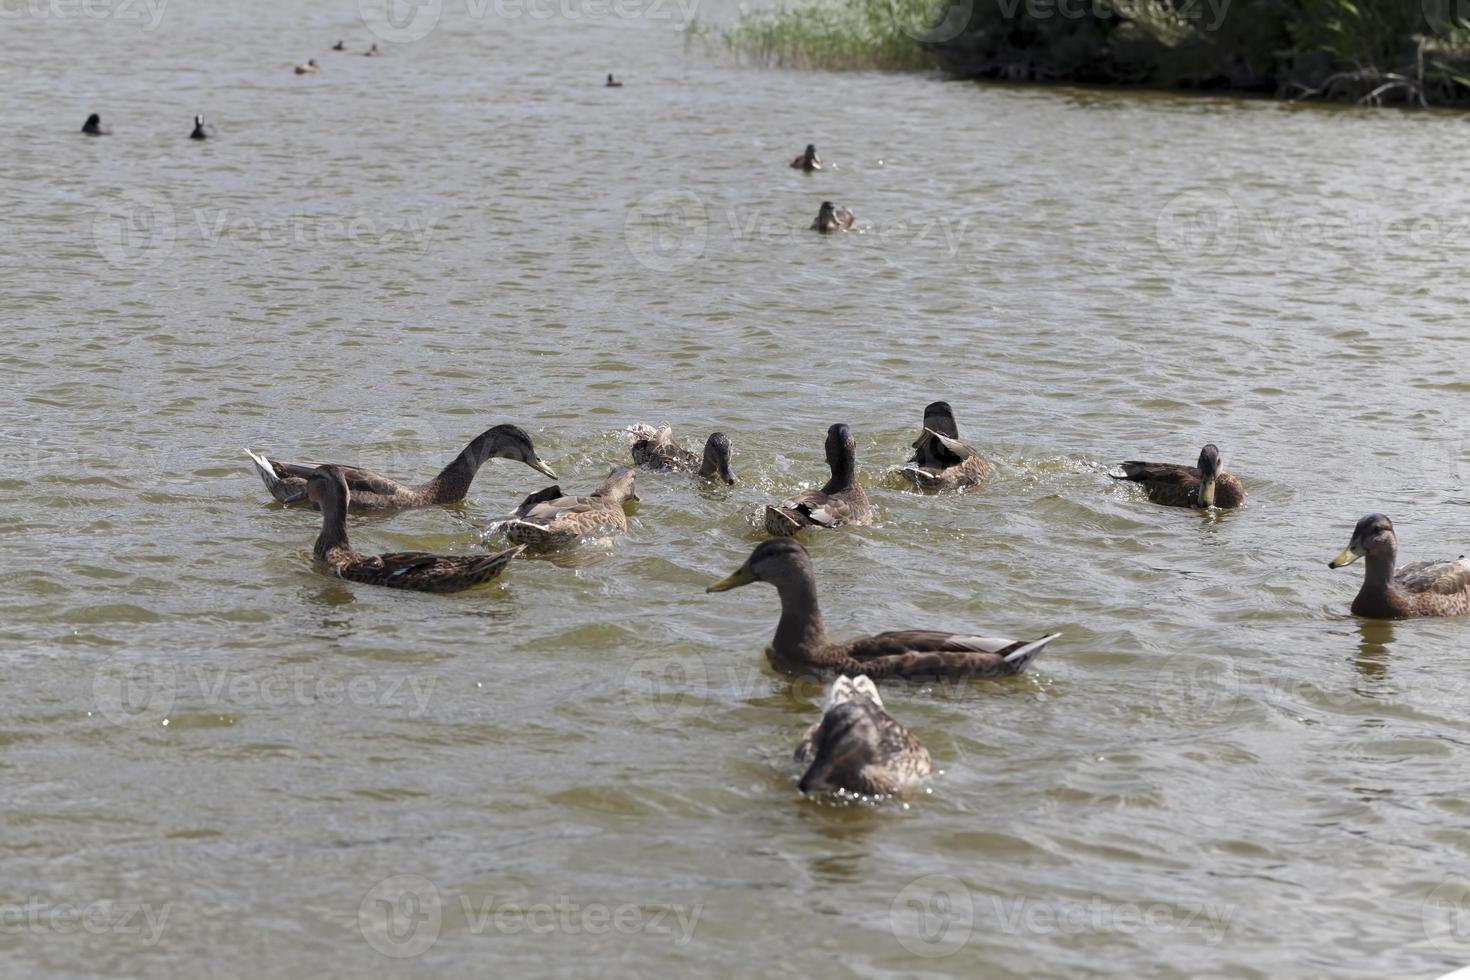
(940, 460)
(841, 500)
(548, 519)
(832, 218)
(1204, 485)
(327, 488)
(801, 645)
(287, 481)
(1425, 588)
(859, 748)
(654, 448)
(808, 160)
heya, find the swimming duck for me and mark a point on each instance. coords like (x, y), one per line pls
(422, 572)
(548, 519)
(654, 448)
(287, 481)
(612, 82)
(832, 218)
(940, 460)
(199, 133)
(859, 748)
(808, 160)
(339, 46)
(310, 68)
(840, 501)
(1425, 588)
(372, 52)
(1204, 485)
(801, 645)
(93, 126)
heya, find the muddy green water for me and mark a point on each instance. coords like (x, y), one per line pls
(217, 761)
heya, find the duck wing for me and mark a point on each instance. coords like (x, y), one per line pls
(1442, 577)
(931, 653)
(540, 497)
(1167, 473)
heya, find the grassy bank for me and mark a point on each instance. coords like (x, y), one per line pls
(1377, 52)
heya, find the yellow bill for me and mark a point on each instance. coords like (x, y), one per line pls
(741, 576)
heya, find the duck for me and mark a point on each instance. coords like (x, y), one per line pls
(801, 645)
(859, 748)
(287, 481)
(1203, 485)
(940, 460)
(832, 218)
(808, 160)
(93, 126)
(310, 68)
(199, 133)
(339, 46)
(1424, 588)
(372, 52)
(841, 501)
(612, 82)
(654, 448)
(549, 519)
(328, 488)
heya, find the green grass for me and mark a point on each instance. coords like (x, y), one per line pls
(834, 34)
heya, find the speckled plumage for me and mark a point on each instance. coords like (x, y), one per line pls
(654, 448)
(841, 501)
(548, 519)
(940, 460)
(857, 746)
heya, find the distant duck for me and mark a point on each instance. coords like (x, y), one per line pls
(339, 46)
(654, 448)
(310, 68)
(372, 52)
(1424, 588)
(199, 133)
(416, 570)
(840, 501)
(93, 126)
(612, 82)
(859, 748)
(548, 519)
(832, 218)
(802, 647)
(807, 161)
(940, 460)
(1203, 485)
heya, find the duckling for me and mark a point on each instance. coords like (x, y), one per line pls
(859, 748)
(93, 126)
(372, 52)
(612, 82)
(199, 133)
(801, 645)
(287, 481)
(832, 218)
(328, 489)
(339, 46)
(940, 461)
(1425, 588)
(841, 500)
(548, 519)
(310, 68)
(1204, 485)
(808, 160)
(654, 448)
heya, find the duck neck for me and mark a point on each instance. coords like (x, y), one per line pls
(1378, 572)
(334, 529)
(453, 482)
(844, 464)
(801, 626)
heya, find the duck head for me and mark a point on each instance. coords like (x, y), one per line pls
(939, 417)
(717, 458)
(1209, 470)
(619, 485)
(775, 561)
(93, 125)
(1372, 537)
(510, 442)
(327, 488)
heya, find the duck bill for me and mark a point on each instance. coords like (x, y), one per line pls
(540, 466)
(1207, 492)
(741, 576)
(1348, 556)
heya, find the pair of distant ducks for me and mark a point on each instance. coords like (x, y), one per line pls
(311, 67)
(830, 217)
(93, 127)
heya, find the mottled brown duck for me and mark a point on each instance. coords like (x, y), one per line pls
(841, 501)
(654, 448)
(549, 519)
(832, 218)
(859, 748)
(1424, 588)
(940, 460)
(287, 481)
(416, 570)
(808, 160)
(1204, 485)
(801, 645)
